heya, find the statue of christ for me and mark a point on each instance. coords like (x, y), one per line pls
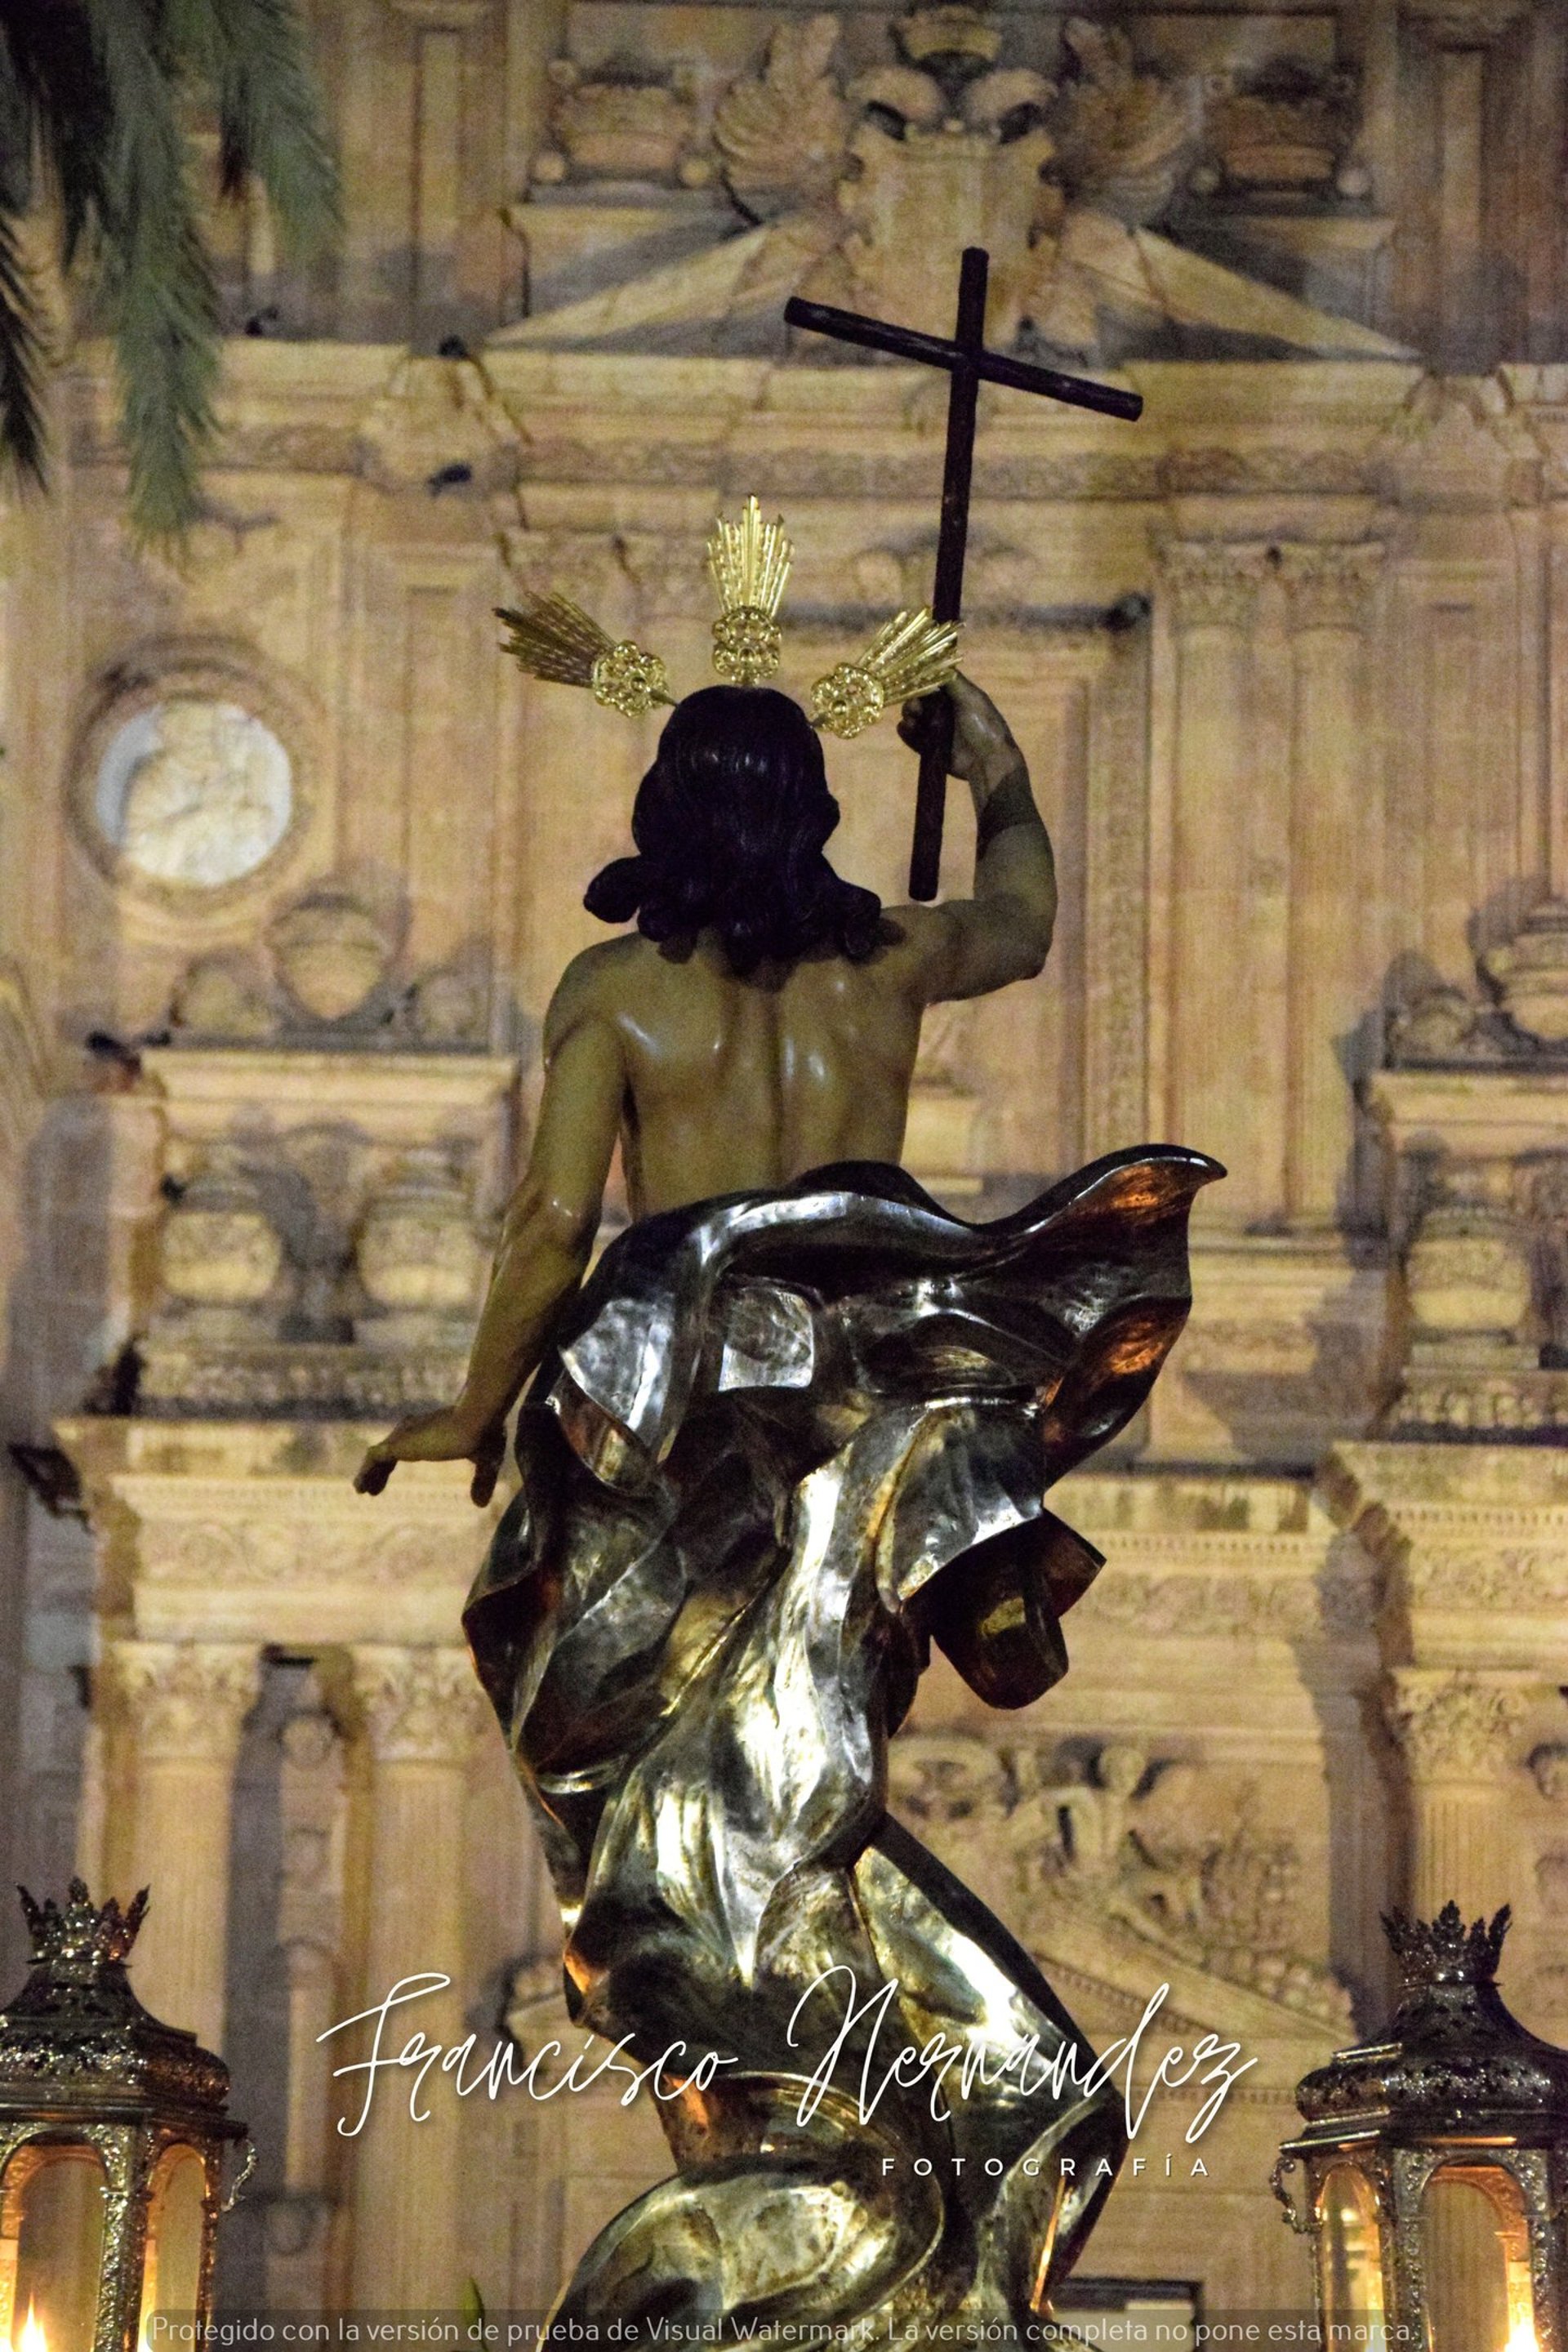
(797, 1426)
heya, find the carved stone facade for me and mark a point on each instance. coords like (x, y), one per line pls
(293, 861)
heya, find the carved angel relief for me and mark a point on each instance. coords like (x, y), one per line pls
(1160, 1849)
(912, 161)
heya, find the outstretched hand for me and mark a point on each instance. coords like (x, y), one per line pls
(443, 1436)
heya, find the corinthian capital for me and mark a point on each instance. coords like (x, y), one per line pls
(420, 1706)
(187, 1699)
(1330, 585)
(1454, 1726)
(1211, 583)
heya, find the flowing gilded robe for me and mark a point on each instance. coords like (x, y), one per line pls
(786, 1441)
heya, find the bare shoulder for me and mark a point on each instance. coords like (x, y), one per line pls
(595, 985)
(919, 947)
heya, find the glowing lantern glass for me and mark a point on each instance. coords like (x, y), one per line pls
(113, 2137)
(1435, 2162)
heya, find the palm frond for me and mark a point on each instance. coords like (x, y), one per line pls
(252, 56)
(92, 96)
(16, 131)
(155, 274)
(61, 82)
(24, 352)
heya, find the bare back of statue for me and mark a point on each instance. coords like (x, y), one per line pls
(731, 1083)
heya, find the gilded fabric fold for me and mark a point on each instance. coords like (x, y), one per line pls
(786, 1441)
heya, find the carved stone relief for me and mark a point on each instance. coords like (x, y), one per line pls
(420, 1706)
(1454, 1726)
(191, 775)
(194, 791)
(186, 1700)
(311, 1263)
(1151, 1844)
(1475, 1154)
(864, 186)
(628, 128)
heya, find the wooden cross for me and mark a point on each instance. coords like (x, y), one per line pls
(968, 363)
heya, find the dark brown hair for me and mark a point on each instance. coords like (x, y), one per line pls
(730, 824)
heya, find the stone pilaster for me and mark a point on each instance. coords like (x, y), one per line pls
(440, 27)
(1211, 592)
(422, 1708)
(1461, 32)
(185, 1703)
(313, 1804)
(1457, 1731)
(1328, 594)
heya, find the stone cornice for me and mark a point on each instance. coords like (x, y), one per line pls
(1463, 23)
(673, 425)
(1473, 1113)
(1215, 1558)
(1473, 1542)
(252, 1531)
(401, 1095)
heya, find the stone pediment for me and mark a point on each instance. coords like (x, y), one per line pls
(1124, 286)
(864, 190)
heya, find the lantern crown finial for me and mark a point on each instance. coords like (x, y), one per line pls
(77, 2024)
(1445, 1951)
(80, 1935)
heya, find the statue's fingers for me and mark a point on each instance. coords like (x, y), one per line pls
(373, 1471)
(914, 725)
(487, 1458)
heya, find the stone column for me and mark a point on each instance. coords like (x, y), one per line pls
(1213, 592)
(1456, 1731)
(421, 1708)
(1327, 591)
(185, 1703)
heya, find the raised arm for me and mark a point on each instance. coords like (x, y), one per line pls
(970, 946)
(547, 1234)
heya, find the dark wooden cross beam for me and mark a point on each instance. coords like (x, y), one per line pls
(969, 364)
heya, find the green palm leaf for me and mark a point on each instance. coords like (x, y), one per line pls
(249, 55)
(16, 127)
(60, 87)
(23, 349)
(95, 92)
(153, 270)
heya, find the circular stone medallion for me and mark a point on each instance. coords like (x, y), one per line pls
(194, 791)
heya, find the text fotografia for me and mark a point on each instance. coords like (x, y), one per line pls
(944, 2067)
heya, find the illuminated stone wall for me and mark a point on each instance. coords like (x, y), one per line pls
(1288, 661)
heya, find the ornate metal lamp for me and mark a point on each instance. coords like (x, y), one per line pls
(1435, 2162)
(112, 2138)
